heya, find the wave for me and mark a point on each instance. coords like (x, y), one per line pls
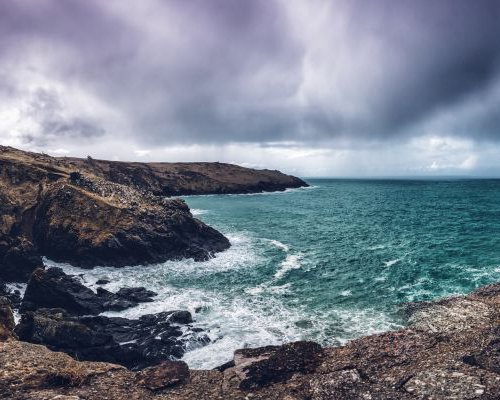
(21, 287)
(390, 263)
(377, 247)
(197, 211)
(279, 245)
(291, 262)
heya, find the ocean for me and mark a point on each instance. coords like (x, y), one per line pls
(328, 263)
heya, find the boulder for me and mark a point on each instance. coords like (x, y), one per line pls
(255, 368)
(6, 320)
(135, 344)
(136, 294)
(167, 374)
(18, 259)
(52, 288)
(112, 302)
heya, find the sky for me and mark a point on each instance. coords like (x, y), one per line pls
(309, 87)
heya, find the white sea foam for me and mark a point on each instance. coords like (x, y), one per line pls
(198, 211)
(279, 245)
(390, 263)
(346, 293)
(22, 288)
(256, 316)
(291, 262)
(354, 323)
(377, 247)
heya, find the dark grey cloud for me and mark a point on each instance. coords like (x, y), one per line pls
(220, 71)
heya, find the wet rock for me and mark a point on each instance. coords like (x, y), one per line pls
(167, 374)
(112, 302)
(255, 368)
(14, 296)
(6, 320)
(52, 288)
(18, 259)
(135, 344)
(125, 298)
(181, 317)
(103, 282)
(137, 294)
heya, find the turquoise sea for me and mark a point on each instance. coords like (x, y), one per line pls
(328, 263)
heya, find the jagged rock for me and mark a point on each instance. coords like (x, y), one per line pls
(26, 368)
(108, 213)
(401, 365)
(167, 374)
(18, 259)
(113, 302)
(52, 288)
(6, 320)
(181, 317)
(136, 294)
(103, 282)
(77, 227)
(256, 368)
(132, 343)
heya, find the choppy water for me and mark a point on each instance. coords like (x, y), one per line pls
(327, 263)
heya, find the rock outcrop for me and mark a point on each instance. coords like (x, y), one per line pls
(136, 344)
(52, 288)
(7, 323)
(92, 212)
(450, 350)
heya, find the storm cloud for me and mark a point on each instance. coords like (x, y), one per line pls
(270, 73)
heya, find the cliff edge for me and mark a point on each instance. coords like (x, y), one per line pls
(450, 350)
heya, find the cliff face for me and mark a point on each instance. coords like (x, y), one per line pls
(91, 212)
(451, 350)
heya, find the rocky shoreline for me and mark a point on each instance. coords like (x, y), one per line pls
(93, 212)
(450, 350)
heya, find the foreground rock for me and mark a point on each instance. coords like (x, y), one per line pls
(449, 351)
(6, 320)
(133, 343)
(52, 288)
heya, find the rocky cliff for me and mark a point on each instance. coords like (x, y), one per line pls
(90, 212)
(450, 350)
